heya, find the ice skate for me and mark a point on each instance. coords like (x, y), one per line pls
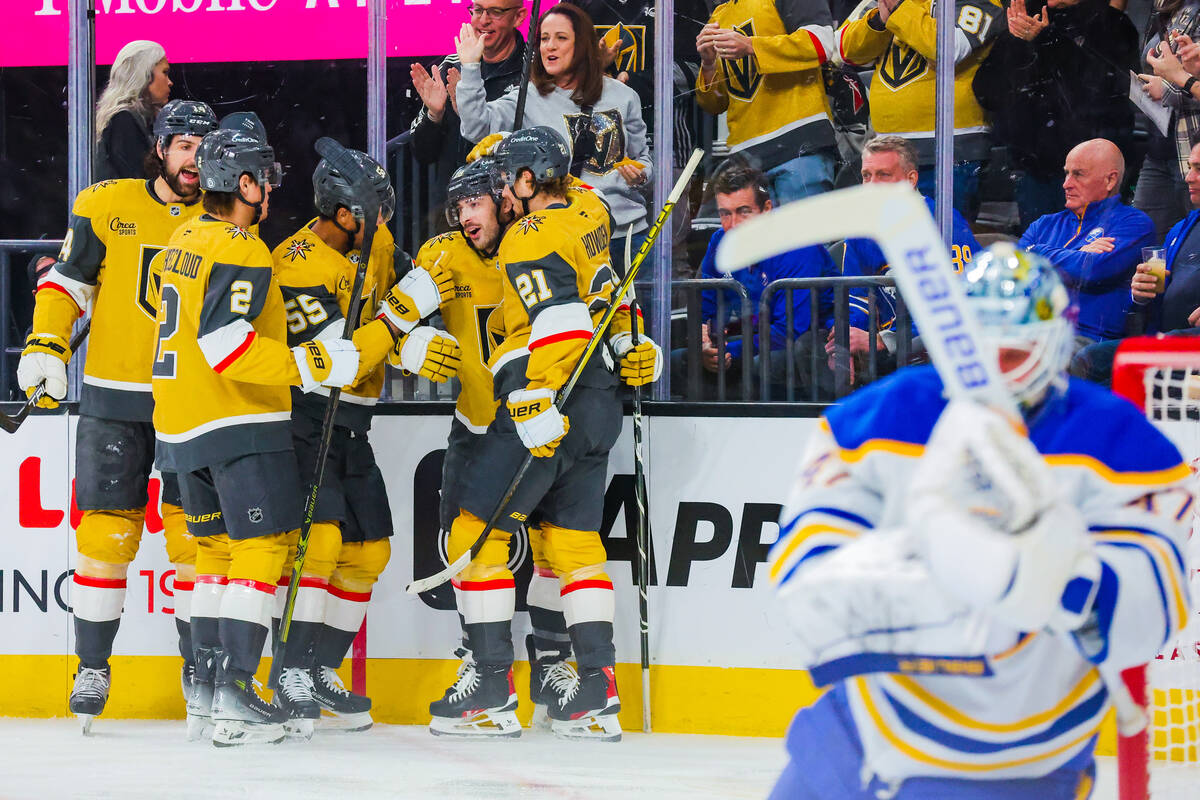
(241, 717)
(200, 695)
(587, 707)
(185, 679)
(89, 695)
(549, 675)
(294, 696)
(481, 703)
(341, 711)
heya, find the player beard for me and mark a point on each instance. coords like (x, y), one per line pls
(173, 180)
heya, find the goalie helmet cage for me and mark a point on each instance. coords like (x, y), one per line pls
(1161, 375)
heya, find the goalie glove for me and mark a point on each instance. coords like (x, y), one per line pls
(640, 364)
(427, 352)
(538, 422)
(44, 361)
(332, 363)
(417, 295)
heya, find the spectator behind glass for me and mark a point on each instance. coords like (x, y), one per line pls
(1161, 192)
(900, 38)
(1053, 80)
(1096, 243)
(888, 159)
(760, 65)
(435, 131)
(742, 194)
(599, 117)
(138, 86)
(1176, 310)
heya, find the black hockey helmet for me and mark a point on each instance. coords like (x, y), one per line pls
(331, 190)
(223, 156)
(540, 149)
(472, 180)
(247, 122)
(183, 117)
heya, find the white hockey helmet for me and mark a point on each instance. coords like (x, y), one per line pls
(1023, 306)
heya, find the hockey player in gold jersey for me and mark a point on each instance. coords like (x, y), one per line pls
(111, 258)
(222, 418)
(900, 38)
(348, 545)
(555, 280)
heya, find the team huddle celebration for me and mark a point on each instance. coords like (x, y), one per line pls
(984, 535)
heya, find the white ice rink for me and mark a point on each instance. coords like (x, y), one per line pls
(135, 759)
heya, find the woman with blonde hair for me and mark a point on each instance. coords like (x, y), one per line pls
(138, 86)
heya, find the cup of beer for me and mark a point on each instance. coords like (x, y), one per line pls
(1155, 259)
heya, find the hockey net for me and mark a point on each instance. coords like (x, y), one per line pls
(1162, 375)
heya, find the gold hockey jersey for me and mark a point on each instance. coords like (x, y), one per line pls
(774, 99)
(904, 51)
(222, 368)
(317, 283)
(112, 257)
(558, 282)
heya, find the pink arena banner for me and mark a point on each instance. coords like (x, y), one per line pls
(34, 32)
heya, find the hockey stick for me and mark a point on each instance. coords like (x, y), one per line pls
(530, 47)
(643, 520)
(11, 424)
(896, 217)
(368, 201)
(460, 563)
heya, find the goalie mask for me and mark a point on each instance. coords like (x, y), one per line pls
(1023, 308)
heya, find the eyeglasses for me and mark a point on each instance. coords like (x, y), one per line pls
(493, 14)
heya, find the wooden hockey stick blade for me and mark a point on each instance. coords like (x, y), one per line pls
(437, 579)
(12, 424)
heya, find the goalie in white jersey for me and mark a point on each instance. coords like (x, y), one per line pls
(960, 582)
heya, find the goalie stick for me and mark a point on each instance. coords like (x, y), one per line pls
(460, 563)
(11, 424)
(896, 217)
(368, 207)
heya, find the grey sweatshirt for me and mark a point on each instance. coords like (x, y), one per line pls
(616, 119)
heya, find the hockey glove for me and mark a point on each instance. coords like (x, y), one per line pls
(427, 352)
(44, 361)
(638, 365)
(486, 145)
(332, 363)
(538, 422)
(417, 295)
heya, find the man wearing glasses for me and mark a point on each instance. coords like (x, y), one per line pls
(435, 135)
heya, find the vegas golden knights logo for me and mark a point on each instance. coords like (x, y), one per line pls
(901, 65)
(602, 137)
(631, 57)
(489, 340)
(150, 264)
(742, 76)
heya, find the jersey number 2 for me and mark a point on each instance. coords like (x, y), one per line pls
(168, 306)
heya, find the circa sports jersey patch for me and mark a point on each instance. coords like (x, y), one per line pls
(530, 223)
(298, 248)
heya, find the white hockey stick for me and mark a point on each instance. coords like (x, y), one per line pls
(896, 217)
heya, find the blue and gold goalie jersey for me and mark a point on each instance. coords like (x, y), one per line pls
(558, 282)
(112, 257)
(317, 284)
(222, 369)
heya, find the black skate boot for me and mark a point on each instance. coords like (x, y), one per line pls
(200, 696)
(89, 695)
(185, 679)
(341, 709)
(549, 675)
(481, 703)
(587, 707)
(295, 697)
(241, 716)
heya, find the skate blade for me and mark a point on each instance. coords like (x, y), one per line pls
(602, 728)
(199, 727)
(299, 728)
(331, 722)
(234, 733)
(484, 725)
(85, 723)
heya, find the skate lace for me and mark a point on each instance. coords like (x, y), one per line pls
(563, 680)
(90, 680)
(297, 683)
(333, 682)
(468, 680)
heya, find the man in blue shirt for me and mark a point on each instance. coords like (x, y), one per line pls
(887, 159)
(1096, 242)
(742, 193)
